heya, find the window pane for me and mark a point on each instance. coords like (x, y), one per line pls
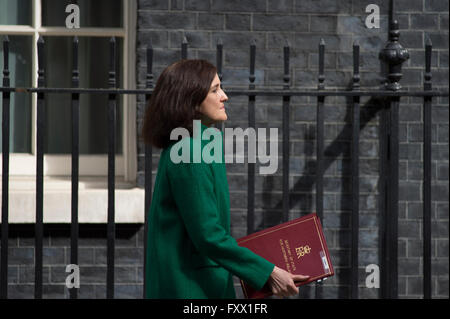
(93, 13)
(20, 65)
(15, 12)
(93, 68)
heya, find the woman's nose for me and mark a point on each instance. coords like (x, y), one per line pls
(224, 97)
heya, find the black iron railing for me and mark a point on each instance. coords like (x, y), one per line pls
(393, 55)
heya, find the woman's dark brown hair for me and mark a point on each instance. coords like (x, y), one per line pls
(180, 89)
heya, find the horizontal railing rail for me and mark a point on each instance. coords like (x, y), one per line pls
(238, 91)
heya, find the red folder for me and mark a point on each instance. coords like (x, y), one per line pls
(297, 246)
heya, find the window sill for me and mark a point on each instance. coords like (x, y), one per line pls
(92, 200)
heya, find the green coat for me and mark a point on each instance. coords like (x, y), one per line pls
(191, 253)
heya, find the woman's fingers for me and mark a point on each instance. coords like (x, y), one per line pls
(300, 277)
(293, 290)
(282, 283)
(286, 291)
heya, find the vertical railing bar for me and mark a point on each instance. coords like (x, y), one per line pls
(40, 127)
(355, 174)
(112, 101)
(148, 162)
(427, 126)
(75, 163)
(251, 124)
(394, 55)
(383, 200)
(219, 62)
(320, 146)
(394, 68)
(184, 48)
(5, 173)
(390, 15)
(319, 131)
(286, 142)
(219, 59)
(393, 197)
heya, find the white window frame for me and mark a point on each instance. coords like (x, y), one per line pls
(90, 165)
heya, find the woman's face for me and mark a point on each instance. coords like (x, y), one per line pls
(213, 107)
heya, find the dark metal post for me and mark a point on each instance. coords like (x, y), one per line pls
(320, 146)
(111, 227)
(319, 133)
(355, 174)
(148, 163)
(5, 173)
(148, 148)
(392, 195)
(219, 59)
(383, 207)
(427, 123)
(184, 48)
(40, 120)
(286, 102)
(251, 124)
(75, 163)
(389, 199)
(394, 55)
(391, 14)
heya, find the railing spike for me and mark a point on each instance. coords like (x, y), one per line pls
(184, 45)
(6, 58)
(219, 58)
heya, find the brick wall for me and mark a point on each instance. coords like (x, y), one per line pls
(340, 23)
(129, 258)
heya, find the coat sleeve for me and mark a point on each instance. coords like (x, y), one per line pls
(193, 190)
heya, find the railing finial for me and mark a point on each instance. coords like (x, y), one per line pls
(184, 46)
(286, 58)
(428, 54)
(321, 78)
(356, 76)
(394, 55)
(6, 61)
(252, 76)
(219, 58)
(149, 76)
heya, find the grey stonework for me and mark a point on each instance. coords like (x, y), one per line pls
(92, 261)
(339, 23)
(302, 23)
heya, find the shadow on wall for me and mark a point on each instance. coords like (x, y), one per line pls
(306, 182)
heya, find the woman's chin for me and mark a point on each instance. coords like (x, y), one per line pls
(224, 117)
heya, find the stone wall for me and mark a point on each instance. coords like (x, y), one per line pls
(302, 24)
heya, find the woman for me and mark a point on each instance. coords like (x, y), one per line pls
(191, 253)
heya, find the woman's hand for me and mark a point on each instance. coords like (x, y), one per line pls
(281, 282)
